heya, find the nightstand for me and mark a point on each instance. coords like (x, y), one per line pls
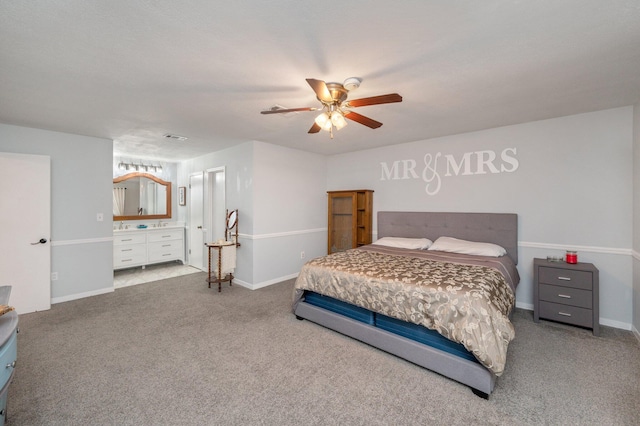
(566, 293)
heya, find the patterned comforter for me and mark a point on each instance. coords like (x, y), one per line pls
(465, 298)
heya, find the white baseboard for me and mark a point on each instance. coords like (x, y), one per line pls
(81, 295)
(525, 306)
(636, 332)
(264, 283)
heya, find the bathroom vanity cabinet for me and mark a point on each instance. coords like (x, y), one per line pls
(139, 247)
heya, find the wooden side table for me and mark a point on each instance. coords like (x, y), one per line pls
(218, 279)
(567, 293)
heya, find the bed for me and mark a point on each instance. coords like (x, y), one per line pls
(447, 312)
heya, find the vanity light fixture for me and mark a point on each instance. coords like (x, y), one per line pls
(140, 166)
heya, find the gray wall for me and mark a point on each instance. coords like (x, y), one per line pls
(572, 189)
(290, 211)
(238, 164)
(82, 247)
(280, 195)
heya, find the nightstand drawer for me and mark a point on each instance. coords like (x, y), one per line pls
(566, 296)
(566, 277)
(567, 314)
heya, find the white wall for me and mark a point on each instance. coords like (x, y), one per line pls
(81, 247)
(571, 190)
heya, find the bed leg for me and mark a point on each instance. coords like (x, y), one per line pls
(480, 393)
(299, 318)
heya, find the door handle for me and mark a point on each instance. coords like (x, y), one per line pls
(42, 241)
(199, 227)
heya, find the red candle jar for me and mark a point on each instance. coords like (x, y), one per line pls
(572, 257)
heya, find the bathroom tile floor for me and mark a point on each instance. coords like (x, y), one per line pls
(133, 276)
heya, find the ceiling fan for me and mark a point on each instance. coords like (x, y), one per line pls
(335, 106)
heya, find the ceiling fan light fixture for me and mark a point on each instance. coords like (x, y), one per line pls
(324, 121)
(338, 120)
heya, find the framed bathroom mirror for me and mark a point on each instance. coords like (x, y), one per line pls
(139, 196)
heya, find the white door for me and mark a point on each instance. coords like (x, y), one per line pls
(25, 217)
(196, 222)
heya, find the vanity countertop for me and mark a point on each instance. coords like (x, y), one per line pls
(152, 227)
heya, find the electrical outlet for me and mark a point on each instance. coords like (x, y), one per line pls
(100, 217)
(302, 255)
(54, 276)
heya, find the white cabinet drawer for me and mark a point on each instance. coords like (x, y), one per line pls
(130, 250)
(166, 251)
(130, 238)
(130, 255)
(165, 235)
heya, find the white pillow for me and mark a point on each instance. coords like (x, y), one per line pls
(407, 243)
(453, 245)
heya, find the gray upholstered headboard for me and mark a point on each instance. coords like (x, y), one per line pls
(496, 228)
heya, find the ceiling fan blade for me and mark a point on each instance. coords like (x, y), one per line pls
(282, 111)
(375, 100)
(362, 119)
(314, 129)
(320, 87)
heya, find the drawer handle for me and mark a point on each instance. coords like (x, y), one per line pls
(127, 260)
(166, 236)
(127, 250)
(166, 245)
(564, 314)
(128, 239)
(566, 296)
(564, 278)
(167, 254)
(12, 365)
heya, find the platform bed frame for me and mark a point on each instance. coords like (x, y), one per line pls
(497, 228)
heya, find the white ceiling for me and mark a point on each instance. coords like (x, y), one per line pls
(132, 71)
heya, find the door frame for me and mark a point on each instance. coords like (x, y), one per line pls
(215, 214)
(192, 225)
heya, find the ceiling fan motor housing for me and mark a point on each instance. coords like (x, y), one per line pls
(338, 93)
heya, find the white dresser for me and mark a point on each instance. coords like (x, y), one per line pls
(139, 247)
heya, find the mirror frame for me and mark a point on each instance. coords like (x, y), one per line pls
(232, 219)
(155, 179)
